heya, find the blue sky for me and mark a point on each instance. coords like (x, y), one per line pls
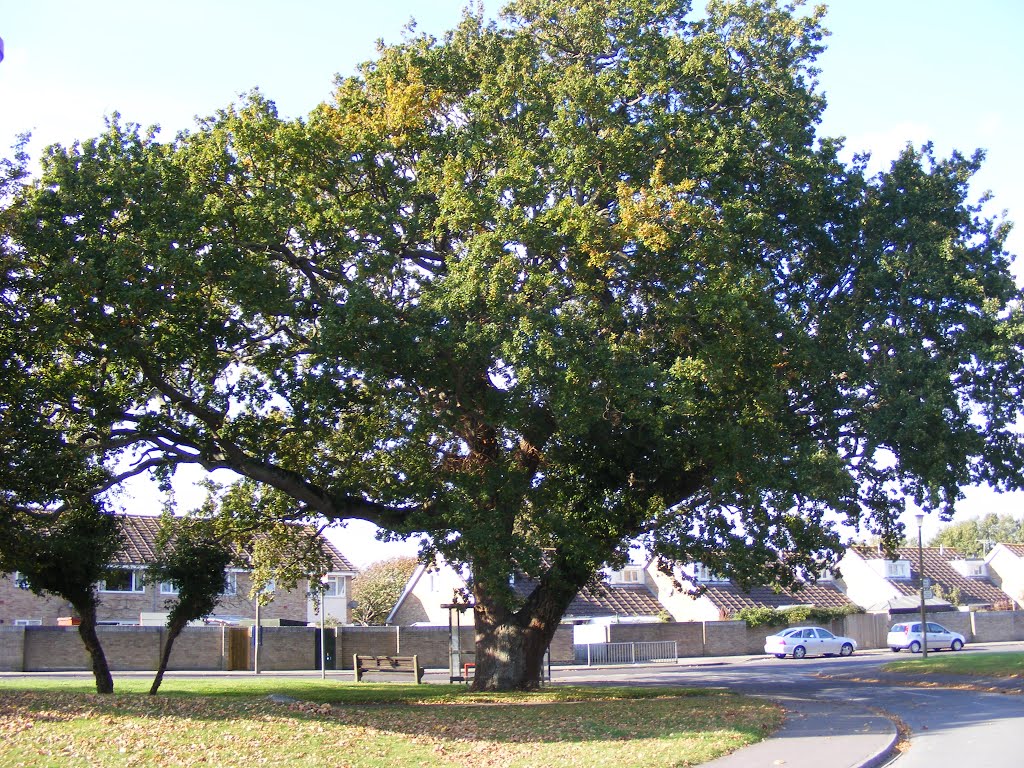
(895, 71)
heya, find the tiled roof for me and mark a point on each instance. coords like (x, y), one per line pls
(601, 600)
(1016, 549)
(614, 600)
(730, 598)
(937, 568)
(140, 534)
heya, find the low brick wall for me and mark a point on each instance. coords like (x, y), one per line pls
(12, 649)
(198, 648)
(995, 626)
(57, 649)
(688, 635)
(288, 648)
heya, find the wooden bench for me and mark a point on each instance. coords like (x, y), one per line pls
(406, 665)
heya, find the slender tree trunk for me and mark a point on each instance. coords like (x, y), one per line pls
(165, 656)
(100, 669)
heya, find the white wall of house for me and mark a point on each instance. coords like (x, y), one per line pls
(335, 601)
(431, 588)
(864, 581)
(1007, 570)
(681, 605)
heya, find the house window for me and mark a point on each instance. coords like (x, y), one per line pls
(972, 569)
(334, 586)
(123, 580)
(897, 569)
(20, 581)
(230, 584)
(28, 622)
(702, 573)
(628, 575)
(168, 588)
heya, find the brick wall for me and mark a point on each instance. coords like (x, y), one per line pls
(38, 649)
(199, 648)
(288, 648)
(958, 621)
(54, 649)
(12, 649)
(733, 638)
(990, 626)
(688, 635)
(17, 603)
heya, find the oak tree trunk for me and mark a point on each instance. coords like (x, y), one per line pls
(510, 645)
(510, 657)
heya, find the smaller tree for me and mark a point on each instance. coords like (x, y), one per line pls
(65, 554)
(376, 590)
(974, 537)
(194, 559)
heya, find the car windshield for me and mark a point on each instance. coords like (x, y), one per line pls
(785, 632)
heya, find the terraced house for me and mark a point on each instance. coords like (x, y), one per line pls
(698, 594)
(126, 598)
(881, 584)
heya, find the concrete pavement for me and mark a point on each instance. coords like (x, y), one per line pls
(819, 735)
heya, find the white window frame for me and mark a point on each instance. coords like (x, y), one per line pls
(137, 583)
(230, 584)
(334, 585)
(631, 574)
(168, 588)
(704, 574)
(897, 569)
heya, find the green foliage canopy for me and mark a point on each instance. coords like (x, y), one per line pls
(543, 287)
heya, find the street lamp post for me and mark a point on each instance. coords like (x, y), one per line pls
(920, 567)
(323, 628)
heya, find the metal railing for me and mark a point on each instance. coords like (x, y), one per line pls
(627, 653)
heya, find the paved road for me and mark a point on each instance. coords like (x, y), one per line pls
(948, 728)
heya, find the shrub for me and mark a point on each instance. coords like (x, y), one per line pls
(802, 614)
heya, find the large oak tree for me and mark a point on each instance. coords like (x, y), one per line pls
(537, 290)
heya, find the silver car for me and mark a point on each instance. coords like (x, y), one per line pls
(907, 635)
(808, 641)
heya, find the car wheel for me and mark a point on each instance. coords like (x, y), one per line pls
(956, 645)
(846, 650)
(894, 650)
(799, 652)
(915, 647)
(780, 655)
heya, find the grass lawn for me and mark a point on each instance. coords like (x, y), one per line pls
(231, 722)
(967, 664)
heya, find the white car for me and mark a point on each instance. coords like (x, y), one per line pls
(908, 635)
(803, 641)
